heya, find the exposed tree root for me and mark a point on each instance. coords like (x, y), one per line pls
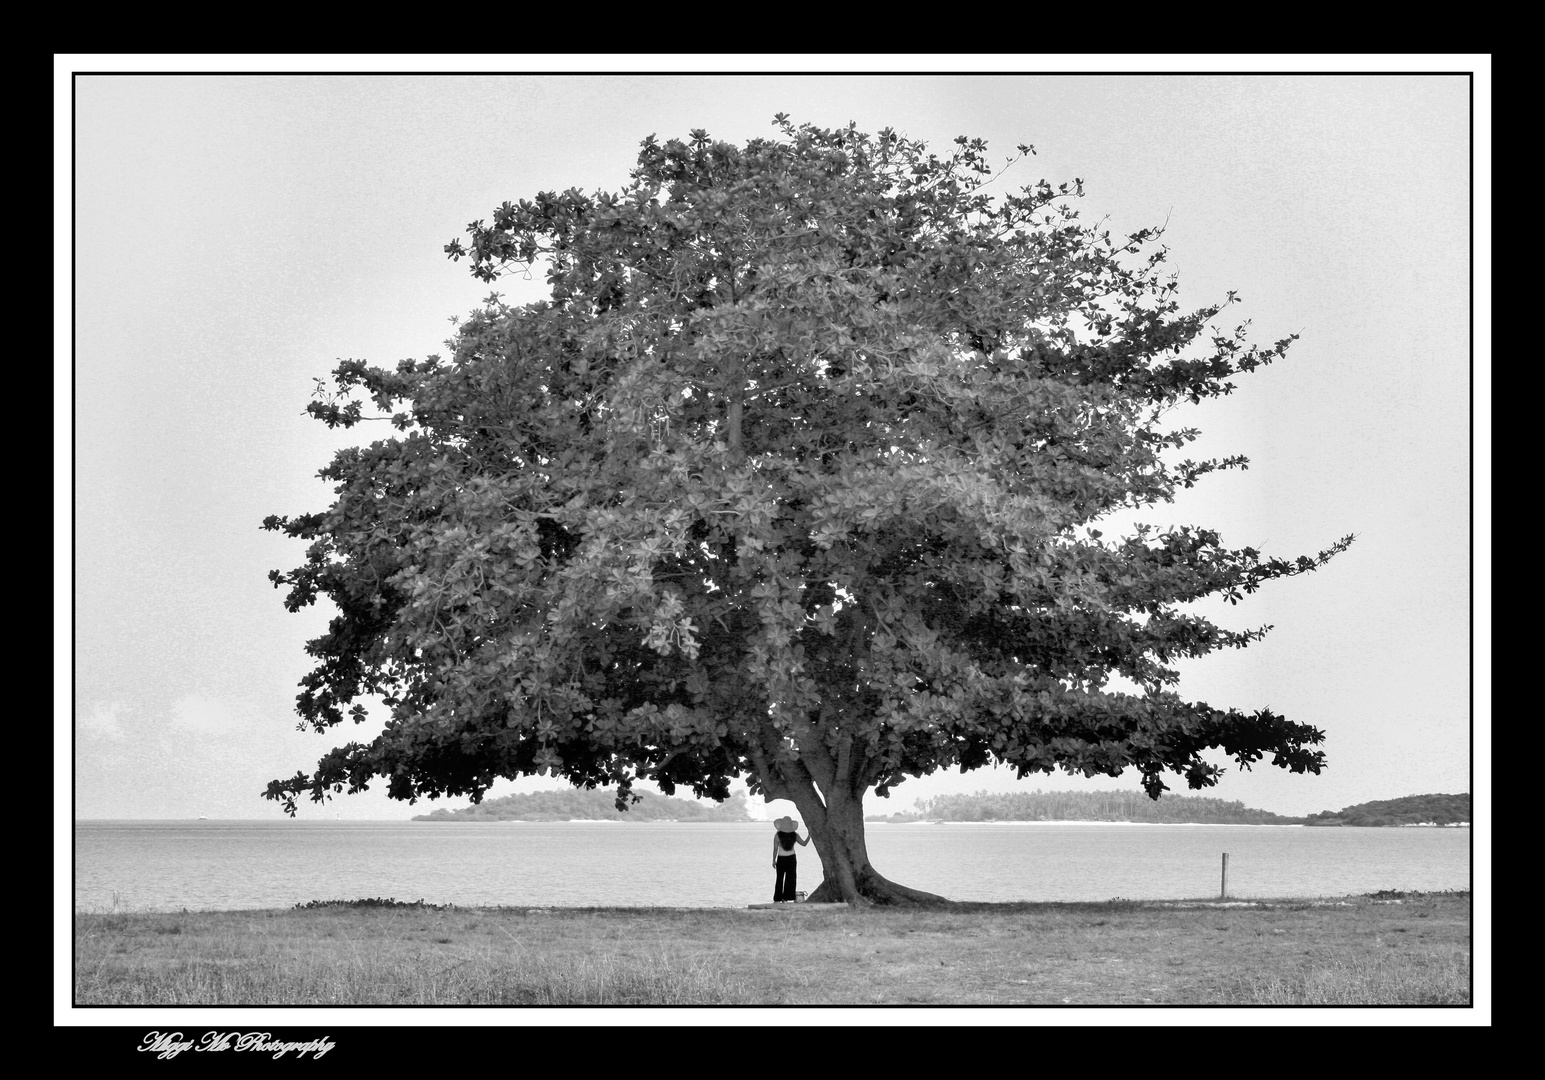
(876, 891)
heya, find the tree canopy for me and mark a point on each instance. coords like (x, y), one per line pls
(793, 477)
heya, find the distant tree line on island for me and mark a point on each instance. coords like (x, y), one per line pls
(595, 804)
(1086, 806)
(599, 804)
(1171, 809)
(1407, 810)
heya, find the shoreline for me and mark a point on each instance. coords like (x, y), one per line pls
(688, 821)
(1384, 896)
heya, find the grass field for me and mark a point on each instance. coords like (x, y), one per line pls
(1413, 949)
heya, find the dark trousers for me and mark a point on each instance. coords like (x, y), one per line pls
(788, 879)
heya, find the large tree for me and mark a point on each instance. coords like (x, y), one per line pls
(793, 478)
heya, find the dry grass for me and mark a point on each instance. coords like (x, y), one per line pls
(1359, 951)
(1422, 978)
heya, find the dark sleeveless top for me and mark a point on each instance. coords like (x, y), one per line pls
(787, 840)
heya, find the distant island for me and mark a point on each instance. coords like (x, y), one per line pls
(596, 804)
(1408, 810)
(1135, 806)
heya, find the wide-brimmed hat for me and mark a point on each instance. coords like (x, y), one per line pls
(786, 824)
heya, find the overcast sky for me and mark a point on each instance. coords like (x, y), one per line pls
(236, 235)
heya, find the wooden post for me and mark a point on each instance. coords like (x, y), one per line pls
(1223, 889)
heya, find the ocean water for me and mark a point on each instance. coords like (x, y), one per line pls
(227, 865)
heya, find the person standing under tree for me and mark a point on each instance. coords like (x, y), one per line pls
(784, 861)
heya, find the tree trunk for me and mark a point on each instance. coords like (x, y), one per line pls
(836, 827)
